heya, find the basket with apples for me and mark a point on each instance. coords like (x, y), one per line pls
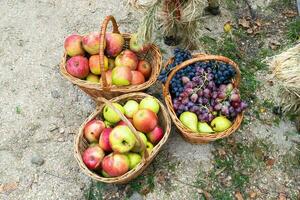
(202, 96)
(121, 138)
(109, 64)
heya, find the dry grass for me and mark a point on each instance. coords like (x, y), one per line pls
(286, 71)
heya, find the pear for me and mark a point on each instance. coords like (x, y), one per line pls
(203, 127)
(220, 124)
(190, 120)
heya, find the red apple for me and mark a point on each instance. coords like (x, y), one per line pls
(137, 78)
(73, 45)
(136, 47)
(145, 120)
(121, 76)
(93, 129)
(94, 64)
(91, 43)
(78, 66)
(127, 58)
(108, 77)
(92, 157)
(104, 140)
(155, 135)
(115, 164)
(145, 68)
(123, 123)
(114, 44)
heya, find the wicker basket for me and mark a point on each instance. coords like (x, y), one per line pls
(152, 55)
(81, 144)
(188, 134)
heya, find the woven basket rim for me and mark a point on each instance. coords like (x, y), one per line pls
(145, 162)
(189, 135)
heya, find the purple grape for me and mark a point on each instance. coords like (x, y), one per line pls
(189, 91)
(243, 105)
(214, 95)
(185, 100)
(206, 93)
(204, 101)
(235, 104)
(235, 97)
(221, 95)
(218, 107)
(200, 93)
(210, 117)
(200, 101)
(238, 110)
(225, 110)
(194, 98)
(185, 79)
(211, 85)
(189, 85)
(222, 88)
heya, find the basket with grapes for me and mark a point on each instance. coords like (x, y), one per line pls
(202, 96)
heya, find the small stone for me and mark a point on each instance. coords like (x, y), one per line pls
(61, 130)
(55, 94)
(136, 196)
(61, 139)
(37, 160)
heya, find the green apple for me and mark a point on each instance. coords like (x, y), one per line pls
(203, 127)
(220, 124)
(121, 139)
(92, 78)
(190, 120)
(149, 147)
(137, 147)
(108, 124)
(131, 107)
(134, 159)
(149, 103)
(110, 115)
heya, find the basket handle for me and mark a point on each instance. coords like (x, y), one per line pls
(202, 57)
(131, 127)
(103, 28)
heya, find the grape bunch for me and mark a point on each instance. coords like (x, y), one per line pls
(180, 56)
(204, 88)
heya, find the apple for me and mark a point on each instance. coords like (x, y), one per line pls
(91, 43)
(121, 76)
(145, 120)
(121, 139)
(190, 120)
(104, 174)
(131, 107)
(149, 103)
(127, 58)
(110, 115)
(145, 68)
(78, 66)
(94, 63)
(92, 157)
(155, 135)
(124, 123)
(108, 124)
(115, 164)
(108, 77)
(92, 78)
(203, 127)
(114, 44)
(104, 140)
(134, 159)
(137, 147)
(111, 63)
(220, 123)
(137, 78)
(73, 45)
(93, 129)
(136, 47)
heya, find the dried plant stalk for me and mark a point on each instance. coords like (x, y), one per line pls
(286, 71)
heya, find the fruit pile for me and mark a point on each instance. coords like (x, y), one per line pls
(203, 93)
(122, 67)
(114, 149)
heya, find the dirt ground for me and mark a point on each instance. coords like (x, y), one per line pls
(41, 111)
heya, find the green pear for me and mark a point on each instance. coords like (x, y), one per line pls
(220, 124)
(190, 120)
(203, 127)
(110, 115)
